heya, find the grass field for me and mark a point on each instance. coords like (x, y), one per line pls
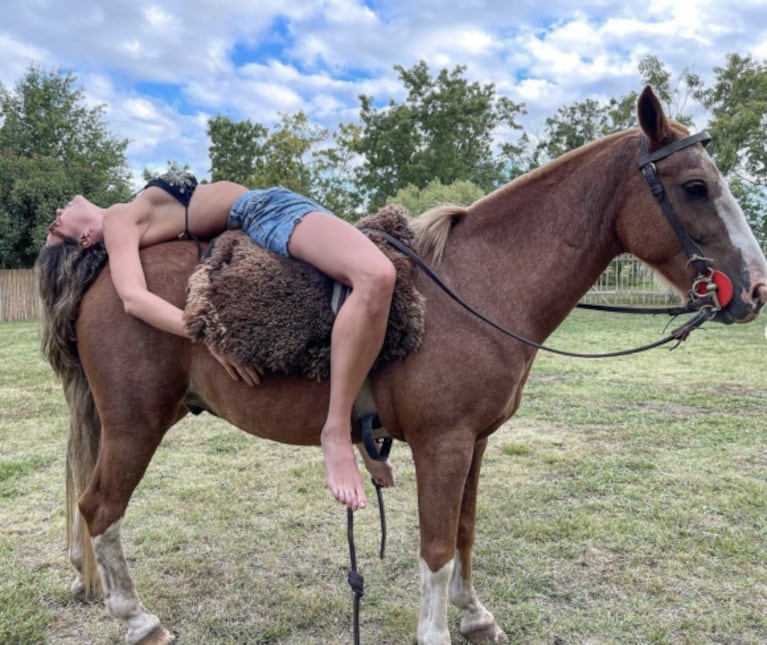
(625, 503)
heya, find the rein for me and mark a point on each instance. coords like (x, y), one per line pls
(710, 292)
(705, 312)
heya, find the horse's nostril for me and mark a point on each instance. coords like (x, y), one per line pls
(759, 295)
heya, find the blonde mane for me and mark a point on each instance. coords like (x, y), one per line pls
(432, 229)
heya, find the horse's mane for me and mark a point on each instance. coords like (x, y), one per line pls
(64, 273)
(432, 229)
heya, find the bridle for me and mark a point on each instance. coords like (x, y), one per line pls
(713, 288)
(710, 292)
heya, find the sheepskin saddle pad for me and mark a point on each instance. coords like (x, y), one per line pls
(273, 312)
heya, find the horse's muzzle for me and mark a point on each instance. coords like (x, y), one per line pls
(745, 308)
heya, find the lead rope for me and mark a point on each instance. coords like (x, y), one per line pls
(355, 578)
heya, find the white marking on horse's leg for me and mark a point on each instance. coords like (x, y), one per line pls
(432, 625)
(475, 619)
(122, 601)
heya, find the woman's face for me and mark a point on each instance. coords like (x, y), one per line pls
(71, 222)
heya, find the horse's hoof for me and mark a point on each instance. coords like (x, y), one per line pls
(158, 636)
(489, 635)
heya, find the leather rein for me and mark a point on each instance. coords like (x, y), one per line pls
(711, 290)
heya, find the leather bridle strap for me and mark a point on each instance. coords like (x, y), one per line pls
(646, 164)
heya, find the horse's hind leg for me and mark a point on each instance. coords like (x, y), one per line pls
(477, 623)
(122, 601)
(123, 458)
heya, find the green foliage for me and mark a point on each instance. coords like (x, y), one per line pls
(333, 173)
(418, 200)
(738, 103)
(675, 98)
(572, 127)
(235, 148)
(444, 130)
(290, 155)
(286, 154)
(173, 167)
(51, 146)
(585, 121)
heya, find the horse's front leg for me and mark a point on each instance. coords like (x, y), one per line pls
(441, 473)
(477, 623)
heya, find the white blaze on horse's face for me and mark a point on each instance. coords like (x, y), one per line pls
(743, 238)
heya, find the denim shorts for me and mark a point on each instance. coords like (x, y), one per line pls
(269, 216)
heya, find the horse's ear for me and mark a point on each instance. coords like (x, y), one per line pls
(652, 119)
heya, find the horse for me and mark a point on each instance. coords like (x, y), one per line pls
(524, 254)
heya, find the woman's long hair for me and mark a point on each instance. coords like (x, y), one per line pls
(64, 273)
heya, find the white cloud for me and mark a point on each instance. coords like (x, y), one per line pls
(162, 68)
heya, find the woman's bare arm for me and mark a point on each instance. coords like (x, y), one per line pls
(123, 227)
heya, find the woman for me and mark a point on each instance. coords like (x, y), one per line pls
(174, 206)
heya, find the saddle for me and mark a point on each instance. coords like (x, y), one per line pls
(275, 313)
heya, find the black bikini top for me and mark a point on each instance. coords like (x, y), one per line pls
(179, 185)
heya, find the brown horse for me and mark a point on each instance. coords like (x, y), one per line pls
(524, 255)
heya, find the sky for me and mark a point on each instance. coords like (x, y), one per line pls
(162, 69)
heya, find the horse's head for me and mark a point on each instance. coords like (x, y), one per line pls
(681, 218)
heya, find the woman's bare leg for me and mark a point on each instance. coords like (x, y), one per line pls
(339, 250)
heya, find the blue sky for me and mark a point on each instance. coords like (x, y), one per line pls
(162, 69)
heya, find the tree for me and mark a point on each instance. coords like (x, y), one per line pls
(289, 154)
(738, 104)
(444, 130)
(172, 167)
(586, 121)
(51, 146)
(675, 99)
(571, 127)
(333, 173)
(235, 148)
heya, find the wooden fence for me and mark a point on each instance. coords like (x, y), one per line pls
(625, 281)
(18, 295)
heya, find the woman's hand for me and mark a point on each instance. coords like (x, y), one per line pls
(238, 371)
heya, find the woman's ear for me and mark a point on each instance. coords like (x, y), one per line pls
(85, 238)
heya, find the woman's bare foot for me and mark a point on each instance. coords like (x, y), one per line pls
(342, 475)
(381, 471)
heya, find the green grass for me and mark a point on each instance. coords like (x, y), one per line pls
(625, 503)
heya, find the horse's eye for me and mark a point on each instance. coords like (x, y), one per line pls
(696, 189)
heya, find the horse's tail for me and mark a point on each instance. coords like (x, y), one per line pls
(64, 273)
(433, 227)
